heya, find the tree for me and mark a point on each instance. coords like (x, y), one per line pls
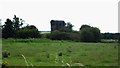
(86, 35)
(69, 26)
(84, 26)
(7, 29)
(96, 34)
(14, 29)
(17, 23)
(89, 34)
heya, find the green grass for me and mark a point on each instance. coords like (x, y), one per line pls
(37, 51)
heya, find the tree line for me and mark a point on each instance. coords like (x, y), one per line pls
(85, 34)
(110, 35)
(15, 29)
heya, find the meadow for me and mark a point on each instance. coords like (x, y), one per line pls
(45, 52)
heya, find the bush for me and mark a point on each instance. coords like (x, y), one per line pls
(4, 64)
(119, 38)
(46, 35)
(60, 54)
(74, 36)
(5, 54)
(57, 35)
(28, 32)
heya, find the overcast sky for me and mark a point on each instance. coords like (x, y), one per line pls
(98, 13)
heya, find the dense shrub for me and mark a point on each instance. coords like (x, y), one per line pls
(60, 54)
(57, 35)
(74, 36)
(119, 38)
(86, 34)
(45, 35)
(5, 54)
(28, 32)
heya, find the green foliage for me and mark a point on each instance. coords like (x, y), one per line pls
(60, 54)
(66, 28)
(84, 26)
(89, 34)
(13, 29)
(17, 22)
(65, 33)
(96, 34)
(86, 35)
(57, 35)
(28, 32)
(5, 54)
(74, 36)
(42, 57)
(10, 28)
(7, 30)
(69, 27)
(45, 35)
(110, 35)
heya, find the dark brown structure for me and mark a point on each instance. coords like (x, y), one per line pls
(57, 24)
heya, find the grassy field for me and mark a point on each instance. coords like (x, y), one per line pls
(44, 52)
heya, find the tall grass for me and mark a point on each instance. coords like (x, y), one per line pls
(42, 52)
